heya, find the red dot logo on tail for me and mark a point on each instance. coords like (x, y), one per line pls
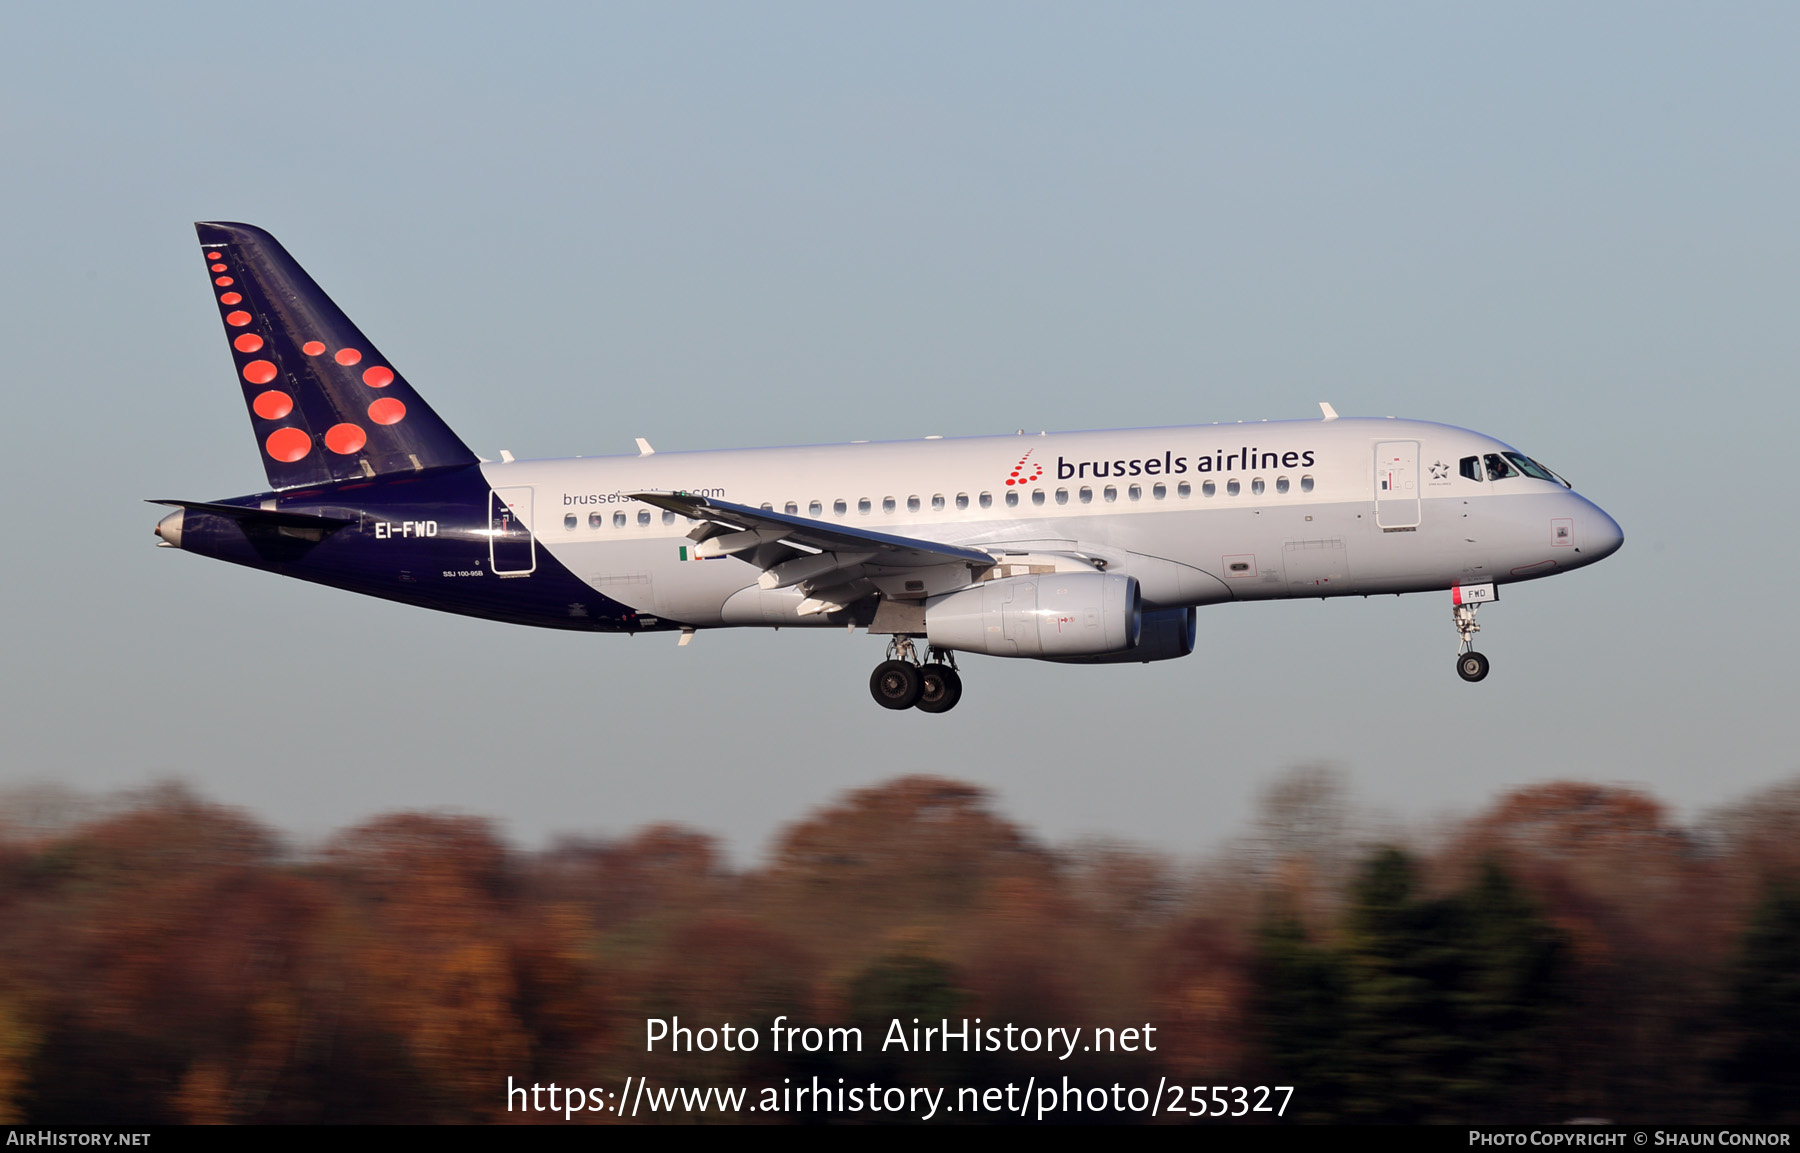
(237, 319)
(229, 298)
(288, 445)
(312, 348)
(348, 356)
(378, 377)
(249, 342)
(387, 410)
(272, 405)
(259, 372)
(345, 439)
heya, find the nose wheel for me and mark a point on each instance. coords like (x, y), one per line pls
(1470, 665)
(904, 682)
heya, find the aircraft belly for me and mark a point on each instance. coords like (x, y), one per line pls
(652, 577)
(1437, 552)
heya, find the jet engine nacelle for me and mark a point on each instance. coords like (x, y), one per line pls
(1167, 634)
(1049, 615)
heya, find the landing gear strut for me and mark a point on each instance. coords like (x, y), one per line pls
(1470, 665)
(904, 682)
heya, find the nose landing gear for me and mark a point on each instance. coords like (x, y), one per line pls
(903, 682)
(1470, 665)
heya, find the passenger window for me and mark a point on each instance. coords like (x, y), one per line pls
(1012, 499)
(937, 502)
(1037, 496)
(1232, 487)
(1470, 467)
(1257, 486)
(1110, 493)
(987, 500)
(1497, 468)
(1087, 495)
(1135, 492)
(815, 509)
(887, 504)
(644, 518)
(791, 508)
(1306, 483)
(864, 506)
(569, 521)
(1159, 491)
(1184, 490)
(1281, 484)
(618, 520)
(669, 517)
(595, 520)
(1209, 489)
(839, 507)
(767, 507)
(962, 500)
(1062, 496)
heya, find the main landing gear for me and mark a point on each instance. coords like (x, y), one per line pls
(1470, 665)
(903, 682)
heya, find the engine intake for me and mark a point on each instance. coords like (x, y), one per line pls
(1048, 615)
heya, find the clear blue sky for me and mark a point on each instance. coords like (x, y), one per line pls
(1572, 227)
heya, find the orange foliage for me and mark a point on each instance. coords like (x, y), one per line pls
(174, 962)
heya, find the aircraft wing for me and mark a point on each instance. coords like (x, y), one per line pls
(794, 550)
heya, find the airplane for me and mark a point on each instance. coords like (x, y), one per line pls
(1074, 547)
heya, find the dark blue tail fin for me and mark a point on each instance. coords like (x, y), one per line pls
(325, 404)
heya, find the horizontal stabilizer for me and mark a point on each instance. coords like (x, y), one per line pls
(263, 516)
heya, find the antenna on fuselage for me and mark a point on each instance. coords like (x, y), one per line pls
(1330, 412)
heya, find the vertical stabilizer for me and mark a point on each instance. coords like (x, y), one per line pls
(326, 406)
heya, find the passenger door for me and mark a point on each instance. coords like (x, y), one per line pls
(511, 550)
(1397, 484)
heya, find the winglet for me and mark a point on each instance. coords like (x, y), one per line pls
(644, 448)
(1330, 412)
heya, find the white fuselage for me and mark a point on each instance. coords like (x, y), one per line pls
(1197, 514)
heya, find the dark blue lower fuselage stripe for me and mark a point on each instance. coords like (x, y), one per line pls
(420, 539)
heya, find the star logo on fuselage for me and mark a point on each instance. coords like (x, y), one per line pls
(1440, 471)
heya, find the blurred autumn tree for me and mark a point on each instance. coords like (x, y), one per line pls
(1429, 1008)
(1570, 951)
(1765, 1010)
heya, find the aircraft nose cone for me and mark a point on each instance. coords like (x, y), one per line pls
(1604, 536)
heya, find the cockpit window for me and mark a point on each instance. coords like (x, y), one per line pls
(1497, 468)
(1471, 467)
(1533, 469)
